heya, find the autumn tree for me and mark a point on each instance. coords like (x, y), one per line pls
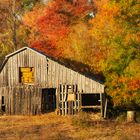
(115, 28)
(6, 43)
(10, 19)
(50, 24)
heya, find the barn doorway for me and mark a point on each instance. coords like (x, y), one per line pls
(48, 100)
(90, 102)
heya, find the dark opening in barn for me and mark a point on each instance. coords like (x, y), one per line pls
(90, 102)
(3, 104)
(90, 99)
(48, 100)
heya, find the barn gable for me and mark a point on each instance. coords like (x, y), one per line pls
(24, 57)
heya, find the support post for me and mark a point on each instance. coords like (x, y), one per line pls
(105, 109)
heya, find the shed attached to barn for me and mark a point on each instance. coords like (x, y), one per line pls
(33, 83)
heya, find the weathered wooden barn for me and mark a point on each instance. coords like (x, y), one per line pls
(33, 83)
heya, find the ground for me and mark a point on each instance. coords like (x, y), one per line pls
(54, 127)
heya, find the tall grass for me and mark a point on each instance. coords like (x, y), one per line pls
(83, 120)
(54, 127)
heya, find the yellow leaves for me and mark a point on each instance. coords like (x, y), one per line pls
(133, 68)
(106, 13)
(76, 44)
(125, 89)
(3, 49)
(29, 19)
(130, 36)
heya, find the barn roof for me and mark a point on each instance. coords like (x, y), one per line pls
(91, 76)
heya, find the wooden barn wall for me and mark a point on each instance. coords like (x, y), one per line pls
(50, 77)
(59, 74)
(21, 100)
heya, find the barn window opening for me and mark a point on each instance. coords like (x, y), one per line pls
(3, 104)
(90, 99)
(26, 75)
(90, 102)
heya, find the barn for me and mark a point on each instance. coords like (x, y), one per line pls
(33, 83)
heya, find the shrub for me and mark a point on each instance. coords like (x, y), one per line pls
(122, 117)
(138, 117)
(82, 120)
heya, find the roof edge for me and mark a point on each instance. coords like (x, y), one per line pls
(13, 53)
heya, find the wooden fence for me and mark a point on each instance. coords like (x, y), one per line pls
(25, 100)
(68, 100)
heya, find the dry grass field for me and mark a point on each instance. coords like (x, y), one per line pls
(53, 127)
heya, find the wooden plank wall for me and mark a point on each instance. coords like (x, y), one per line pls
(59, 74)
(66, 106)
(25, 100)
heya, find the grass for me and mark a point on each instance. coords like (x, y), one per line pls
(54, 127)
(82, 120)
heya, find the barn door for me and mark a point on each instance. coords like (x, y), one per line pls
(68, 100)
(48, 100)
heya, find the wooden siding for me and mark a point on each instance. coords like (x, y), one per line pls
(50, 77)
(59, 74)
(25, 100)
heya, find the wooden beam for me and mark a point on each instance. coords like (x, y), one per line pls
(96, 106)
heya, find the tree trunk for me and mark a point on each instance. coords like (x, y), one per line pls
(14, 27)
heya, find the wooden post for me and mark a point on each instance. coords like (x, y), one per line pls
(131, 116)
(62, 93)
(105, 109)
(101, 101)
(57, 101)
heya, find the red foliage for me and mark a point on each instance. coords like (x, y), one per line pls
(134, 84)
(50, 50)
(53, 22)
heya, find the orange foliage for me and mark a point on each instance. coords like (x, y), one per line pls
(52, 23)
(134, 84)
(125, 89)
